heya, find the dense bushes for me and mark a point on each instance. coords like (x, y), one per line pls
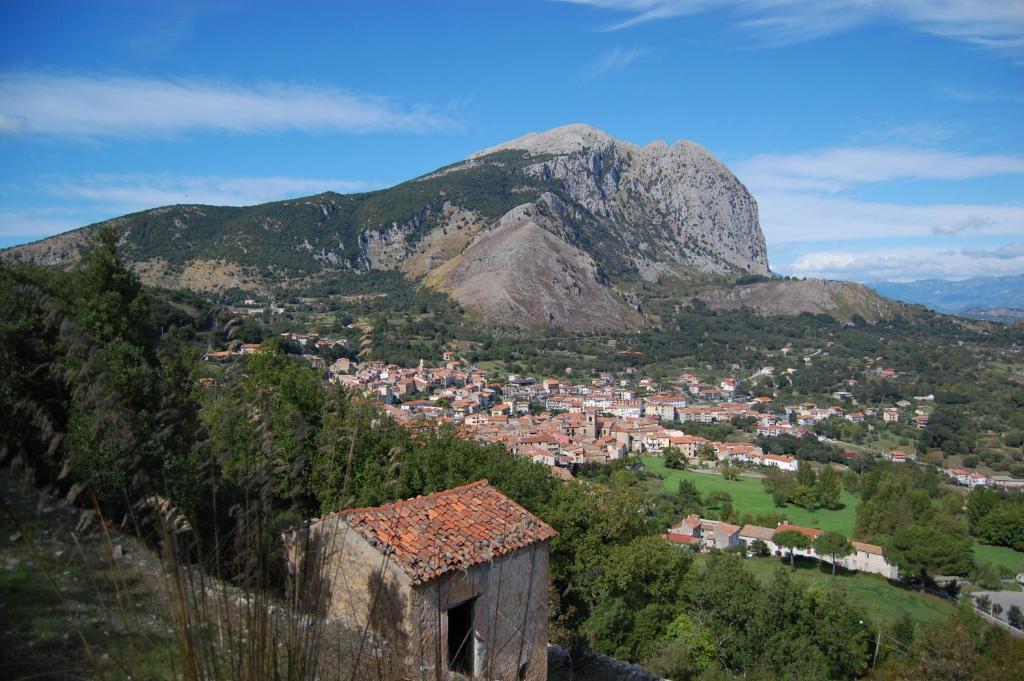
(997, 518)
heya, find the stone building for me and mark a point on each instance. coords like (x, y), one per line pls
(454, 583)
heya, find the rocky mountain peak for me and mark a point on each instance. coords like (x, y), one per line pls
(567, 139)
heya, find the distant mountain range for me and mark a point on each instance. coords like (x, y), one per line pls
(990, 298)
(569, 228)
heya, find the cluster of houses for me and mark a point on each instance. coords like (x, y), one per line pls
(704, 535)
(222, 355)
(962, 476)
(562, 423)
(311, 343)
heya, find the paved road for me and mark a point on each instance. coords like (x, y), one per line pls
(1007, 599)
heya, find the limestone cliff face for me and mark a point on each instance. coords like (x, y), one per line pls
(672, 207)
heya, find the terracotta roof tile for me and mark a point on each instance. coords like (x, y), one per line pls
(867, 548)
(680, 538)
(451, 530)
(757, 532)
(809, 532)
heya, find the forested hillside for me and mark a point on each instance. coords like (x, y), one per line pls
(103, 397)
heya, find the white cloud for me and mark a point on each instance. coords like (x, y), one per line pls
(136, 192)
(791, 216)
(907, 264)
(993, 24)
(832, 170)
(90, 106)
(615, 59)
(1006, 252)
(807, 196)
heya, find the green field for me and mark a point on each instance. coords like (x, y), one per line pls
(881, 601)
(1000, 555)
(749, 496)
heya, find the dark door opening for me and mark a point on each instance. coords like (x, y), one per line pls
(460, 638)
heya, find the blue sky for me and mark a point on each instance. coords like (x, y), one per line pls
(882, 140)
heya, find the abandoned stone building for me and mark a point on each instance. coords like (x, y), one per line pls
(455, 583)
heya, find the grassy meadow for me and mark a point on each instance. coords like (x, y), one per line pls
(880, 600)
(1000, 555)
(749, 496)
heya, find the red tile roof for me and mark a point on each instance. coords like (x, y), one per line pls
(867, 548)
(757, 532)
(451, 530)
(809, 532)
(681, 538)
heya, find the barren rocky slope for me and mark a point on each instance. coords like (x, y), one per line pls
(838, 299)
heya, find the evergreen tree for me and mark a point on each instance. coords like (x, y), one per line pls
(833, 544)
(792, 540)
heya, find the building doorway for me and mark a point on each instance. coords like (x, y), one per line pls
(461, 643)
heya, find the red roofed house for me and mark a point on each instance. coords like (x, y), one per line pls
(869, 558)
(705, 534)
(455, 581)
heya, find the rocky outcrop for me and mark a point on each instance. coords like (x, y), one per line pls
(838, 299)
(673, 208)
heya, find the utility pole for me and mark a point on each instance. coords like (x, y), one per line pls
(878, 644)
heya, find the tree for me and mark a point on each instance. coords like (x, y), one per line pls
(833, 544)
(890, 501)
(689, 496)
(706, 452)
(921, 549)
(792, 540)
(718, 498)
(729, 472)
(1015, 617)
(805, 475)
(980, 502)
(673, 458)
(685, 650)
(829, 488)
(109, 302)
(1003, 526)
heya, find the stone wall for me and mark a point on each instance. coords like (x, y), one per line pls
(510, 616)
(336, 574)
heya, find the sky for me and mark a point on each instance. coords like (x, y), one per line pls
(882, 139)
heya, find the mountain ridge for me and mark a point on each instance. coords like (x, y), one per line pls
(551, 228)
(971, 295)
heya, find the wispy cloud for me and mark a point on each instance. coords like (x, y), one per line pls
(907, 264)
(811, 196)
(139, 191)
(91, 106)
(959, 94)
(836, 169)
(615, 59)
(1007, 252)
(992, 24)
(791, 216)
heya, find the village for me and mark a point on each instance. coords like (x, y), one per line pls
(565, 424)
